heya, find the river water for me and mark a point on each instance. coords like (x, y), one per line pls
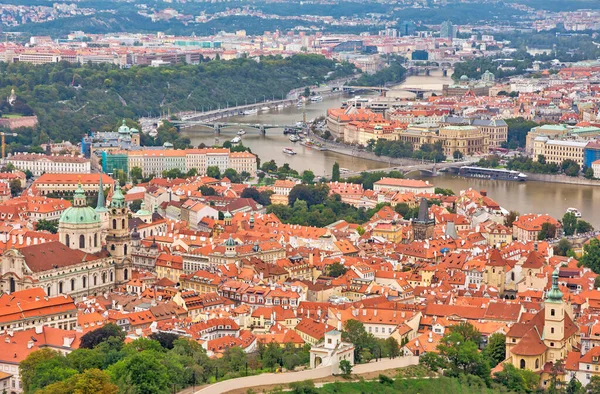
(524, 197)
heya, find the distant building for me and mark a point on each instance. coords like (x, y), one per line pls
(447, 30)
(39, 164)
(331, 351)
(403, 186)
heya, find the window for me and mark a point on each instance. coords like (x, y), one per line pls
(68, 240)
(72, 284)
(537, 363)
(81, 241)
(60, 287)
(95, 240)
(522, 364)
(84, 282)
(551, 330)
(114, 224)
(552, 312)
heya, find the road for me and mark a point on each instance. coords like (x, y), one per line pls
(290, 377)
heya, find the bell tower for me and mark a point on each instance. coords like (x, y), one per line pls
(118, 238)
(554, 312)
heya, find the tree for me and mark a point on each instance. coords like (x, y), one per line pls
(312, 194)
(235, 358)
(346, 368)
(393, 347)
(91, 381)
(15, 187)
(433, 361)
(463, 356)
(143, 372)
(597, 282)
(402, 208)
(510, 218)
(574, 387)
(231, 174)
(335, 172)
(308, 177)
(355, 333)
(569, 222)
(29, 174)
(467, 331)
(165, 339)
(28, 366)
(589, 173)
(495, 351)
(593, 387)
(269, 166)
(213, 172)
(136, 205)
(136, 173)
(336, 269)
(548, 231)
(457, 155)
(99, 335)
(517, 380)
(591, 256)
(306, 91)
(563, 247)
(46, 225)
(207, 190)
(583, 227)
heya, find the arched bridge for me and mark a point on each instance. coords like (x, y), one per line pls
(218, 126)
(425, 169)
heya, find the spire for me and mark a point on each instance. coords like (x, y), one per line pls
(101, 206)
(79, 199)
(423, 211)
(554, 295)
(118, 200)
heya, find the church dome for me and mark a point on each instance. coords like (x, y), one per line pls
(79, 213)
(124, 129)
(464, 78)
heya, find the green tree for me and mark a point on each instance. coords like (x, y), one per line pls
(467, 331)
(593, 387)
(135, 205)
(393, 347)
(495, 351)
(355, 333)
(27, 367)
(47, 225)
(510, 218)
(591, 256)
(457, 155)
(462, 356)
(574, 387)
(99, 335)
(90, 381)
(142, 372)
(563, 247)
(569, 222)
(232, 175)
(402, 208)
(235, 358)
(213, 172)
(335, 172)
(433, 361)
(136, 173)
(346, 368)
(308, 177)
(166, 339)
(207, 190)
(583, 227)
(15, 187)
(269, 166)
(517, 380)
(336, 269)
(589, 173)
(548, 231)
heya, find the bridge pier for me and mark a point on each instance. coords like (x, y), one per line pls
(263, 131)
(217, 128)
(445, 73)
(427, 72)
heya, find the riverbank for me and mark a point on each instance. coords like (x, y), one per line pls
(570, 180)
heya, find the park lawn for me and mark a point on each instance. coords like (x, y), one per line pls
(442, 385)
(12, 116)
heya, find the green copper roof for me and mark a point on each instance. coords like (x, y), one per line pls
(142, 211)
(118, 200)
(79, 193)
(230, 241)
(227, 215)
(101, 206)
(124, 129)
(554, 295)
(79, 215)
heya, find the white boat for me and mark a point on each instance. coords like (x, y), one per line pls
(294, 138)
(300, 103)
(299, 124)
(574, 211)
(253, 111)
(236, 140)
(280, 106)
(265, 109)
(241, 132)
(316, 99)
(289, 151)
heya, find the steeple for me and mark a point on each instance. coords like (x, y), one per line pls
(554, 295)
(423, 211)
(118, 200)
(101, 206)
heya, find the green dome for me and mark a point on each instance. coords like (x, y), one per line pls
(79, 215)
(227, 215)
(554, 295)
(230, 241)
(142, 211)
(123, 129)
(464, 78)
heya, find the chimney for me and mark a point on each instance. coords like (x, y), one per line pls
(39, 329)
(430, 339)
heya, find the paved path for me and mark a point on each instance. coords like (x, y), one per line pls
(310, 374)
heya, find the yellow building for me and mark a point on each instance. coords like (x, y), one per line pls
(557, 151)
(468, 140)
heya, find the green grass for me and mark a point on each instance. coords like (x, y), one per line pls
(441, 385)
(12, 116)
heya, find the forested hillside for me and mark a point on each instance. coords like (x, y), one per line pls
(71, 99)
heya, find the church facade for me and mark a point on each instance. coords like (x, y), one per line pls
(83, 262)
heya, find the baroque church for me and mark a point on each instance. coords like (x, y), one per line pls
(90, 258)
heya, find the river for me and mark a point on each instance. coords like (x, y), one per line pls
(526, 197)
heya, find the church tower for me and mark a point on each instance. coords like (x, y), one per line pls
(118, 238)
(423, 225)
(554, 312)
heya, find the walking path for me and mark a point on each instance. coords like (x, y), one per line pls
(310, 374)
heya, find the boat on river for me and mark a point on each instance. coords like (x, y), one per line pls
(316, 99)
(252, 111)
(574, 211)
(289, 151)
(236, 140)
(491, 173)
(294, 138)
(241, 132)
(313, 145)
